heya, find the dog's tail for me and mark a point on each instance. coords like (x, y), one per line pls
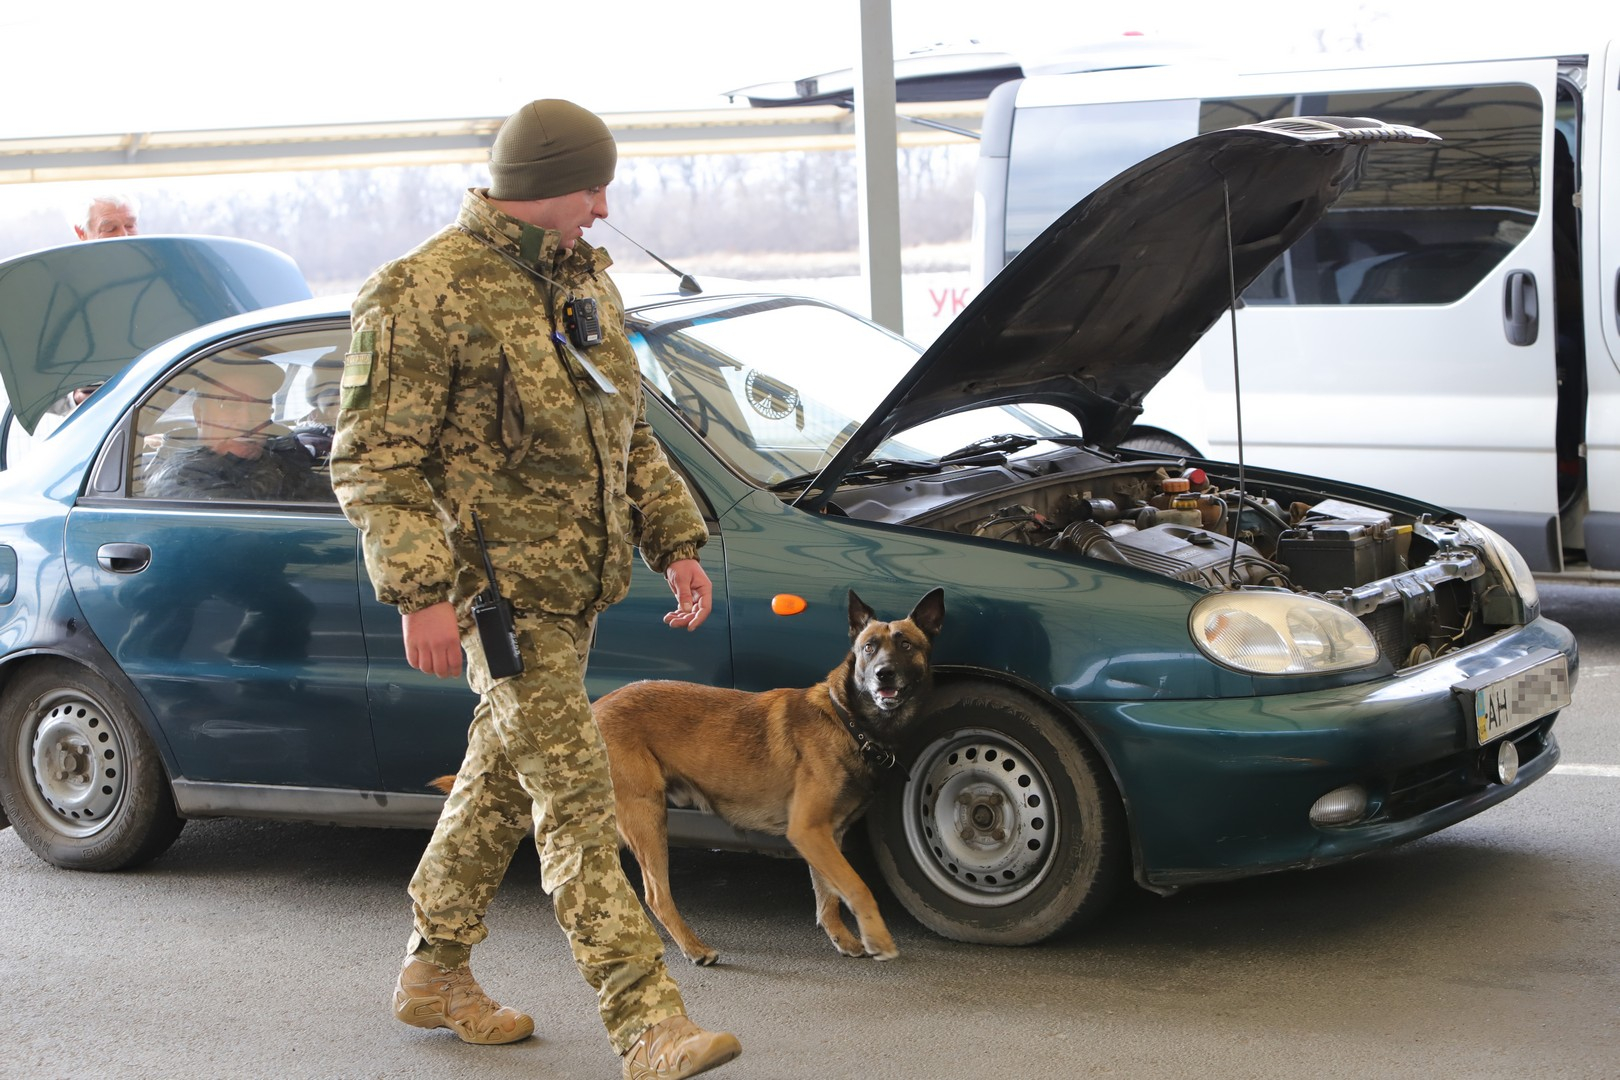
(443, 783)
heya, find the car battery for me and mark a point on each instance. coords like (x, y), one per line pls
(1337, 554)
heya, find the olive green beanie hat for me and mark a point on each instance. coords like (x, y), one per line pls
(550, 147)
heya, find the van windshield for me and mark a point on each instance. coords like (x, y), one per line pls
(1060, 154)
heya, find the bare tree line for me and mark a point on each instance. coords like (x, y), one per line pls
(741, 215)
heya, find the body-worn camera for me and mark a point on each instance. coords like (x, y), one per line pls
(492, 615)
(584, 326)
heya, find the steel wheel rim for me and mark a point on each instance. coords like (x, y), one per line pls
(979, 818)
(76, 759)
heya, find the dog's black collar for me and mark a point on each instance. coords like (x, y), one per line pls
(871, 749)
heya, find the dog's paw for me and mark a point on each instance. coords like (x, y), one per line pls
(704, 958)
(878, 944)
(845, 942)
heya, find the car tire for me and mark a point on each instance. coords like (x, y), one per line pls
(1033, 841)
(79, 778)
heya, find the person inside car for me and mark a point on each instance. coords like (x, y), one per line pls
(315, 428)
(235, 451)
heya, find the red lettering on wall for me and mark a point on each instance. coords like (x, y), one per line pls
(953, 300)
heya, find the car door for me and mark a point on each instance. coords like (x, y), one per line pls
(1407, 343)
(421, 721)
(235, 612)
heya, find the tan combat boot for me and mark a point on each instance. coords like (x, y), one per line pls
(676, 1048)
(430, 996)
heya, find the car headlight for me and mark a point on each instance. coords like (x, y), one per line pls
(1519, 602)
(1278, 633)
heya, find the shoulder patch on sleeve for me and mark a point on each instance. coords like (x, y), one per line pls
(357, 367)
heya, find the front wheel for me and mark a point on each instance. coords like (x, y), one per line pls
(79, 778)
(1005, 828)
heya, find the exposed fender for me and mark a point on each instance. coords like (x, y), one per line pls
(1158, 440)
(81, 646)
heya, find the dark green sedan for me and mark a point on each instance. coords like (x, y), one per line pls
(1153, 666)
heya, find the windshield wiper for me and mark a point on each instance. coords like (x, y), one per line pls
(992, 444)
(872, 469)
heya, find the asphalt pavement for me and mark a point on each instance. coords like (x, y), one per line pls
(256, 949)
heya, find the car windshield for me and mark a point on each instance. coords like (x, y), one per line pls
(777, 386)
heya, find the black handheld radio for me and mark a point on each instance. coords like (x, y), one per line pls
(492, 614)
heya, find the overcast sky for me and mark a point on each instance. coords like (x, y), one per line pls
(117, 66)
(96, 66)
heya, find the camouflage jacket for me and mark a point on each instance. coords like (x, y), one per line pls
(456, 400)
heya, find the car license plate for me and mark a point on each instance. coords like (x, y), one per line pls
(1506, 699)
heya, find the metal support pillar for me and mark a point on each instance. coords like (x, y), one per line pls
(877, 168)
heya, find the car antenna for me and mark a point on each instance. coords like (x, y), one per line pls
(688, 282)
(1237, 383)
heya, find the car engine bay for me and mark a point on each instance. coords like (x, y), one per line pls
(1423, 584)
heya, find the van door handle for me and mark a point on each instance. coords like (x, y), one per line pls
(124, 558)
(1520, 309)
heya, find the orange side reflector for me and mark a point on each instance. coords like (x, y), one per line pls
(787, 604)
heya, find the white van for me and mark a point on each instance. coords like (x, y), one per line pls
(1451, 329)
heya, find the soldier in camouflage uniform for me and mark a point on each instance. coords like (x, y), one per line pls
(463, 395)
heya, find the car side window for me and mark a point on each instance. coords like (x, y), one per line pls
(253, 422)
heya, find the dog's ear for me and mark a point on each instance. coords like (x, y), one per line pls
(859, 615)
(929, 614)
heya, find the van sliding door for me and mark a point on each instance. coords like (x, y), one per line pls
(1407, 342)
(1601, 212)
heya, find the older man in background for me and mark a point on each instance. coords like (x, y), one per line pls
(108, 215)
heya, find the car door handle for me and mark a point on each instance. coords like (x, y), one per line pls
(124, 558)
(1520, 308)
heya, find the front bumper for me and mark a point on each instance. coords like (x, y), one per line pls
(1222, 789)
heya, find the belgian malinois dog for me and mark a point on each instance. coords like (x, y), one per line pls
(796, 763)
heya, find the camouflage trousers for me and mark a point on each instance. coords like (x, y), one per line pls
(534, 754)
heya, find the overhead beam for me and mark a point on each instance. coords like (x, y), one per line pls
(139, 155)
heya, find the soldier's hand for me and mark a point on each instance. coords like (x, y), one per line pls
(694, 594)
(433, 640)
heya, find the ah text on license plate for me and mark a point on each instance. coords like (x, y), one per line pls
(1505, 699)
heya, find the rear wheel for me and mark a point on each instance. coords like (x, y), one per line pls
(79, 778)
(1005, 828)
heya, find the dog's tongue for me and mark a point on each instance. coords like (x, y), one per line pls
(886, 694)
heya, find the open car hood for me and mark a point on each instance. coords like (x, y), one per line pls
(1099, 307)
(76, 315)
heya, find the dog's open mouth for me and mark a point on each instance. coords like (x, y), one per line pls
(887, 697)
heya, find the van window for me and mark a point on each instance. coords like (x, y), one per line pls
(1425, 225)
